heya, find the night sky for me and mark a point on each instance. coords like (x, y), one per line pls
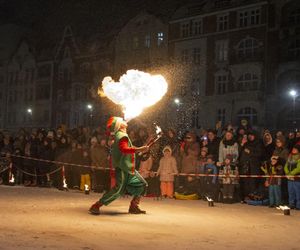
(87, 15)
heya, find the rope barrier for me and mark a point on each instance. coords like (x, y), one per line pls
(180, 174)
(38, 175)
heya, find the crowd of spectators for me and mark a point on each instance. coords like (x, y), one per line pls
(229, 151)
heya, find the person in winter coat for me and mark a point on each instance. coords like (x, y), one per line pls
(212, 142)
(272, 168)
(292, 168)
(166, 171)
(211, 187)
(99, 157)
(228, 182)
(281, 150)
(228, 146)
(269, 145)
(250, 162)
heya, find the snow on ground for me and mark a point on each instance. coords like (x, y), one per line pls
(40, 218)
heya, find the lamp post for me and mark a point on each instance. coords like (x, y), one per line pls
(293, 93)
(90, 108)
(29, 112)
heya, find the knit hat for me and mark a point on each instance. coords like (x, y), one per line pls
(167, 148)
(114, 124)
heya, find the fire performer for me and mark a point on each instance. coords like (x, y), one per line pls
(123, 159)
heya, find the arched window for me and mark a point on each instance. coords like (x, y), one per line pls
(247, 82)
(249, 114)
(248, 47)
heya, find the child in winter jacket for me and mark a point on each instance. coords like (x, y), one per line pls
(292, 168)
(210, 182)
(228, 181)
(166, 171)
(274, 184)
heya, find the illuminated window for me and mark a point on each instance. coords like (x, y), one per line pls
(160, 38)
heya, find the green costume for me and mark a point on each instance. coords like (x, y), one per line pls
(127, 178)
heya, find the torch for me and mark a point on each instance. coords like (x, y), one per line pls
(159, 134)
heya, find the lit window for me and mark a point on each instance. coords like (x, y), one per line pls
(160, 38)
(247, 82)
(222, 22)
(185, 29)
(222, 50)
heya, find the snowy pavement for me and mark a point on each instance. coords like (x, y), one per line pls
(40, 218)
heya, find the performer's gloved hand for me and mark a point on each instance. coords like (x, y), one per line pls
(142, 149)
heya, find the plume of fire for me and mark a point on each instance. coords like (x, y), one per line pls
(135, 91)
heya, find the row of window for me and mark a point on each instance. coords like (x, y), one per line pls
(75, 119)
(245, 18)
(247, 48)
(248, 113)
(137, 42)
(14, 118)
(246, 82)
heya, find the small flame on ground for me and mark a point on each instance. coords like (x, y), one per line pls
(12, 179)
(209, 199)
(135, 91)
(283, 207)
(65, 183)
(86, 187)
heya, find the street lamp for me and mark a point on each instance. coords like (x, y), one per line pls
(29, 111)
(293, 93)
(90, 108)
(177, 101)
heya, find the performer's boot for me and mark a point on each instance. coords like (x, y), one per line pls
(95, 208)
(134, 206)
